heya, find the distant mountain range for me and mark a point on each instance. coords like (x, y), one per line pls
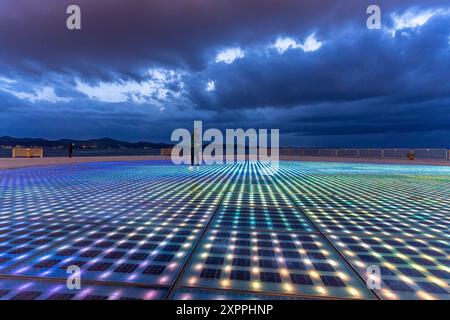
(103, 143)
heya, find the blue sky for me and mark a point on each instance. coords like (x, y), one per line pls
(136, 71)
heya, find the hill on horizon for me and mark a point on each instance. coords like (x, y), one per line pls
(102, 143)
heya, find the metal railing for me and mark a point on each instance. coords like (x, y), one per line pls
(375, 153)
(368, 153)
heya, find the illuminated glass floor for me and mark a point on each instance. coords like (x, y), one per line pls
(152, 230)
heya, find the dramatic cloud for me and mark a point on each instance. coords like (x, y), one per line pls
(160, 86)
(414, 18)
(311, 68)
(44, 94)
(229, 55)
(211, 86)
(310, 44)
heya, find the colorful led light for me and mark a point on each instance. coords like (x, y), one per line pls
(137, 223)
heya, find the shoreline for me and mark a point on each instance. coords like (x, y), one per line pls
(11, 163)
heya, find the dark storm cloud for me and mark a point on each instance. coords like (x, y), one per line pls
(124, 36)
(411, 67)
(358, 82)
(422, 117)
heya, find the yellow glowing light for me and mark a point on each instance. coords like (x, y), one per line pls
(333, 263)
(425, 296)
(420, 268)
(288, 287)
(350, 253)
(389, 265)
(225, 283)
(314, 274)
(284, 272)
(406, 279)
(353, 292)
(402, 256)
(256, 285)
(321, 290)
(389, 294)
(438, 281)
(198, 266)
(192, 280)
(343, 276)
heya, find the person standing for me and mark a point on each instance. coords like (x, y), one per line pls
(71, 148)
(196, 149)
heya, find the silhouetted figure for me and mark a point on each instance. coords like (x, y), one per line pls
(192, 152)
(196, 149)
(71, 148)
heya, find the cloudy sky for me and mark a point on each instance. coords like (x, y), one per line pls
(140, 68)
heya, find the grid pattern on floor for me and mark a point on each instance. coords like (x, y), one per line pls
(16, 289)
(20, 240)
(118, 253)
(285, 263)
(411, 268)
(152, 230)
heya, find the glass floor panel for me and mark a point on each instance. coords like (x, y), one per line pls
(20, 240)
(262, 218)
(202, 294)
(114, 253)
(410, 268)
(46, 290)
(284, 263)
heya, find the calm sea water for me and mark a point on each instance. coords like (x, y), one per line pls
(92, 153)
